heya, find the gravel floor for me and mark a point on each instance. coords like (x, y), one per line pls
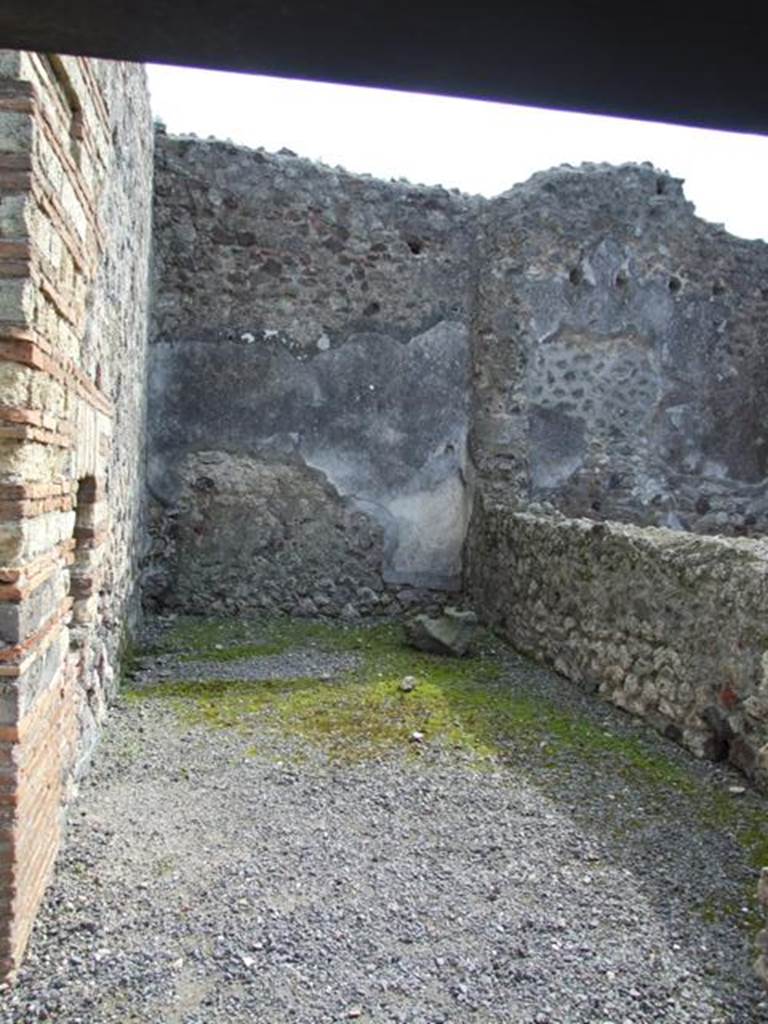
(214, 877)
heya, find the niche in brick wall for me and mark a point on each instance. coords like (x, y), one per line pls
(82, 587)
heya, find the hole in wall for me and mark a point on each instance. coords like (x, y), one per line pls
(204, 484)
(621, 279)
(661, 186)
(718, 287)
(575, 275)
(372, 309)
(81, 581)
(674, 284)
(416, 245)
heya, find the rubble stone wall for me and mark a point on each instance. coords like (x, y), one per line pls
(667, 625)
(309, 385)
(75, 188)
(620, 360)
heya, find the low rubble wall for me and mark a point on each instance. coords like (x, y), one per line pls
(667, 625)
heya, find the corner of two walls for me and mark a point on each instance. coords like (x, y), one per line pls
(341, 366)
(75, 184)
(618, 434)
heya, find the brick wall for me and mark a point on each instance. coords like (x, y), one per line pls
(75, 151)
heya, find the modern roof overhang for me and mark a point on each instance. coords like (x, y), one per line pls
(675, 62)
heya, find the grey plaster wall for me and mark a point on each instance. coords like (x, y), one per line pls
(311, 336)
(620, 355)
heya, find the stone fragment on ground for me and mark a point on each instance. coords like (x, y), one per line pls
(451, 633)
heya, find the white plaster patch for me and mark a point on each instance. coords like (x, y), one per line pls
(431, 529)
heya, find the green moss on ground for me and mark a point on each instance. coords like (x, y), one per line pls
(205, 639)
(462, 702)
(362, 714)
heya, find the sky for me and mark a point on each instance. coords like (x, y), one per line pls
(471, 145)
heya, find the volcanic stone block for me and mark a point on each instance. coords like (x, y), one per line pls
(450, 634)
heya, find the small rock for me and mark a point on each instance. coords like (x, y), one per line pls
(408, 683)
(307, 607)
(737, 790)
(349, 613)
(354, 1012)
(416, 736)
